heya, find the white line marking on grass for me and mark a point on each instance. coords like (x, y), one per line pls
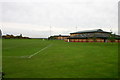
(39, 51)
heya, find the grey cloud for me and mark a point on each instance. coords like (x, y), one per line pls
(63, 14)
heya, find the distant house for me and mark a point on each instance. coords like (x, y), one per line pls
(97, 35)
(59, 37)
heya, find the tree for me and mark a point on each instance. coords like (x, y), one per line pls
(51, 38)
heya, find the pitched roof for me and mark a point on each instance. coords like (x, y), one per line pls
(91, 35)
(80, 36)
(90, 31)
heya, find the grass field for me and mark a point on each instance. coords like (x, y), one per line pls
(59, 59)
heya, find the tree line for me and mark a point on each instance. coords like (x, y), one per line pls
(7, 36)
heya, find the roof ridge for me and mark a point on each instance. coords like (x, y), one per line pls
(87, 31)
(90, 30)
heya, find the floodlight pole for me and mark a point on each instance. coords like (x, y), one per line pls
(76, 28)
(111, 29)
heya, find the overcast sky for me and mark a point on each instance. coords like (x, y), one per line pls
(33, 18)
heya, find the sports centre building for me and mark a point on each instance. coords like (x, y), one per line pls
(97, 35)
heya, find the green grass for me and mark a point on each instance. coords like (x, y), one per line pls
(61, 60)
